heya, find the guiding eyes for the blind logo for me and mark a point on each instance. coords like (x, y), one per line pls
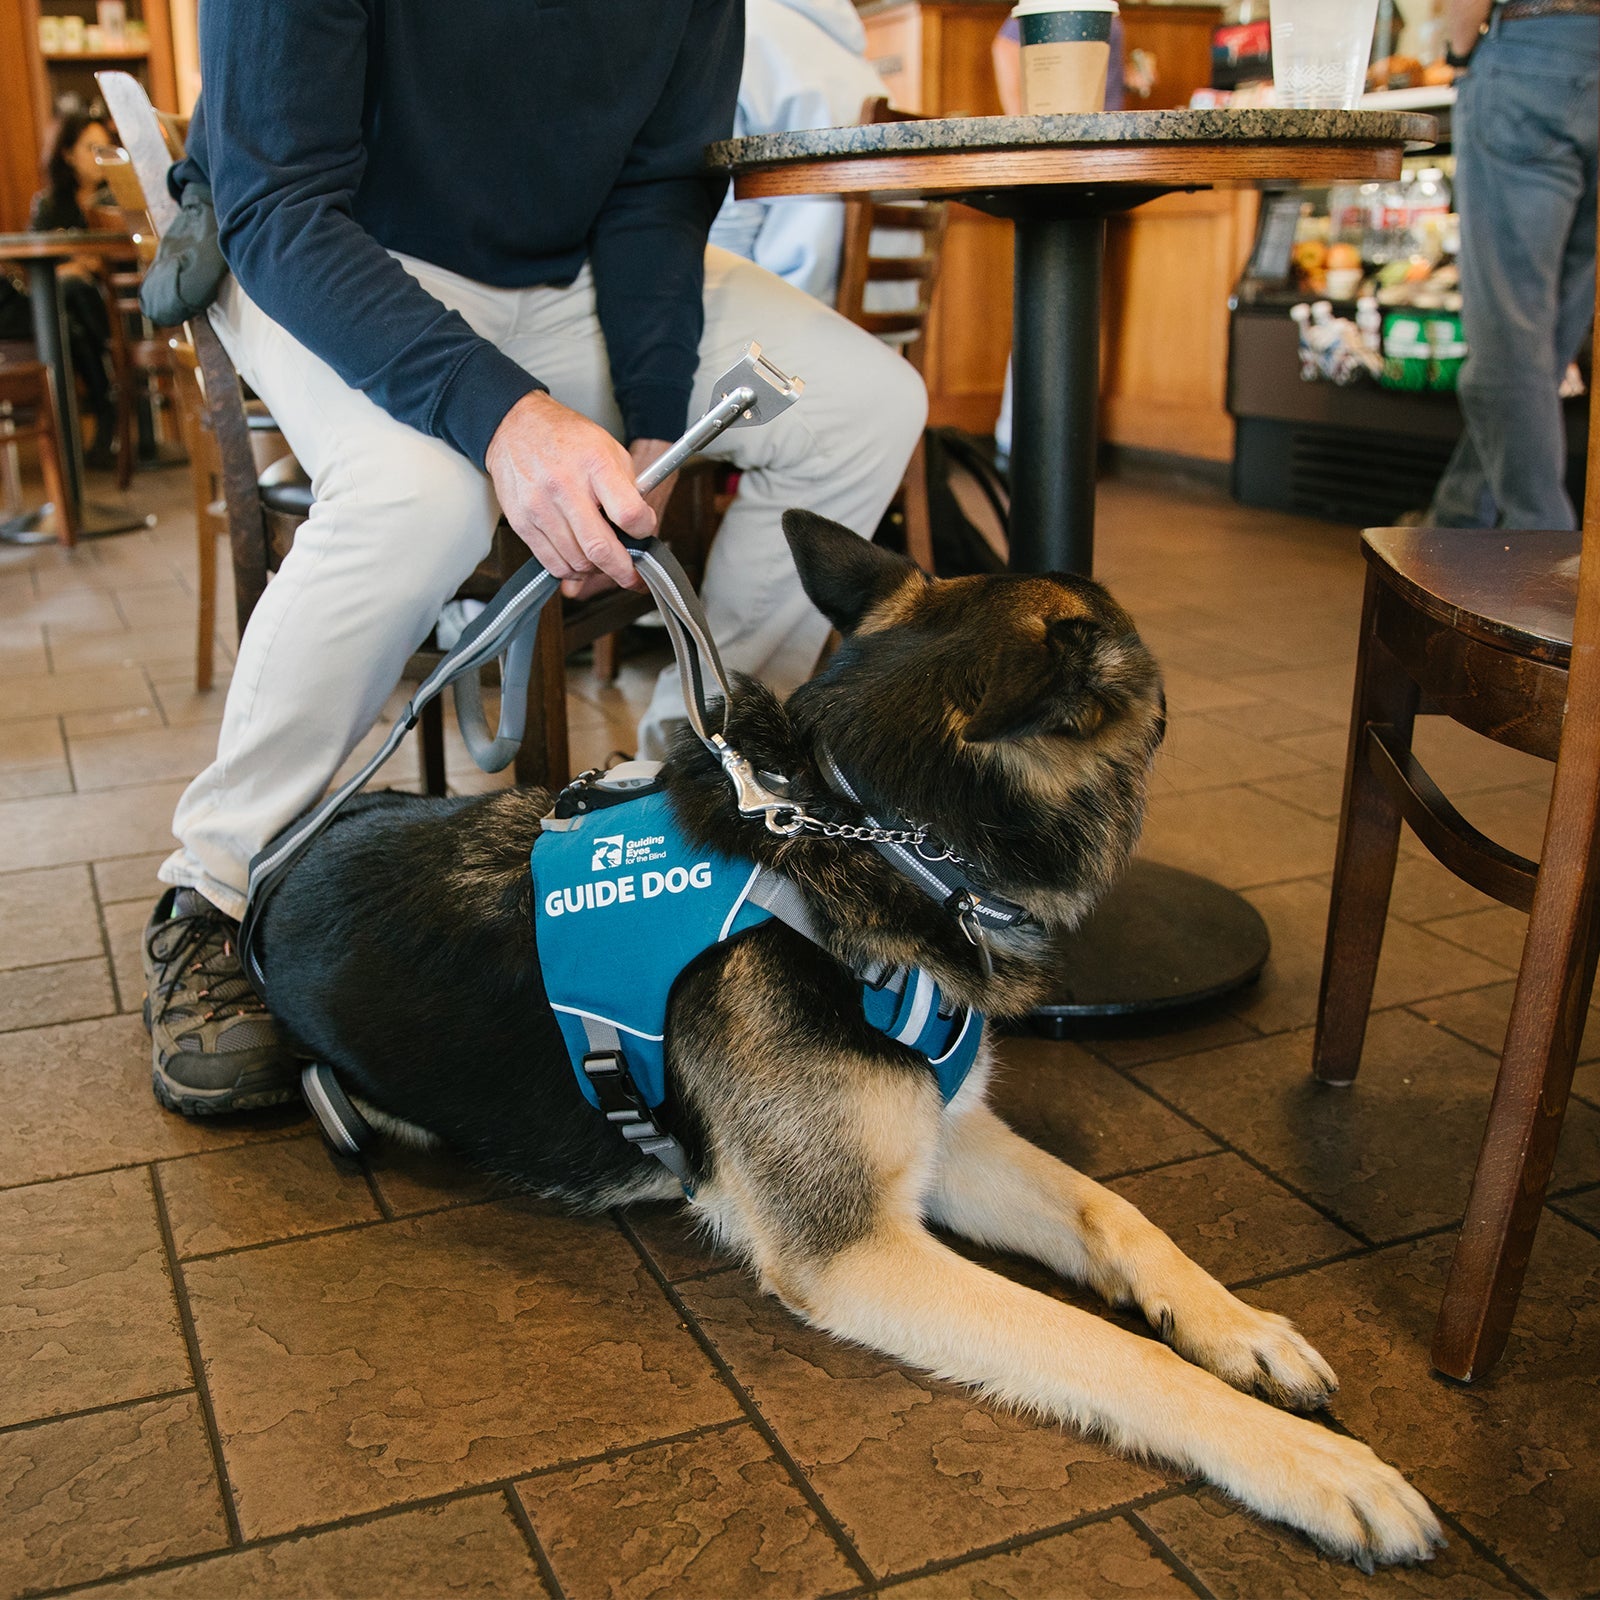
(617, 850)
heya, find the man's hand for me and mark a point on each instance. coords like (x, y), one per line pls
(559, 477)
(641, 453)
(1464, 20)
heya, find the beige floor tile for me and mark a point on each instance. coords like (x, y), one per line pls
(183, 705)
(133, 719)
(469, 1549)
(1391, 1155)
(51, 694)
(1237, 837)
(34, 742)
(22, 647)
(1239, 1557)
(1424, 890)
(1192, 694)
(358, 1370)
(1514, 818)
(1516, 1457)
(916, 1471)
(676, 1244)
(77, 1099)
(114, 761)
(33, 782)
(1101, 1561)
(129, 877)
(85, 827)
(715, 1515)
(125, 922)
(47, 916)
(1481, 1015)
(1496, 932)
(167, 648)
(1325, 690)
(1231, 1218)
(65, 991)
(87, 1315)
(1084, 1113)
(91, 1497)
(1199, 753)
(1414, 962)
(1284, 724)
(260, 1192)
(83, 610)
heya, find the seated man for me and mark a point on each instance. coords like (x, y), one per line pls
(470, 274)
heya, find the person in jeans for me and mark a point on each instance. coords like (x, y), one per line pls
(1527, 120)
(469, 274)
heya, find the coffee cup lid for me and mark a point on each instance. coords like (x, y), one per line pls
(1037, 8)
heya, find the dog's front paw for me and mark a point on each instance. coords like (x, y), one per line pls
(1335, 1490)
(1257, 1351)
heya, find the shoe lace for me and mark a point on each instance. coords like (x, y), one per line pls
(201, 942)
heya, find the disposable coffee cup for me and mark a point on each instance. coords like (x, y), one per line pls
(1066, 49)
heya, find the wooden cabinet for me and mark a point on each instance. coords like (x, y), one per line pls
(1170, 267)
(934, 57)
(32, 83)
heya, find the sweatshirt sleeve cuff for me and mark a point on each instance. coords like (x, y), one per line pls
(482, 389)
(654, 411)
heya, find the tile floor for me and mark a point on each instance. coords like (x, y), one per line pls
(232, 1366)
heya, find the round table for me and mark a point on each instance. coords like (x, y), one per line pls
(43, 254)
(1163, 938)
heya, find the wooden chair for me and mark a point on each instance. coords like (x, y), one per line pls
(1499, 630)
(28, 414)
(141, 355)
(861, 269)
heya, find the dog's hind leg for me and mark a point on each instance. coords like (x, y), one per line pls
(992, 1185)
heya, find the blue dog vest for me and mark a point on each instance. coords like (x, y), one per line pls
(623, 904)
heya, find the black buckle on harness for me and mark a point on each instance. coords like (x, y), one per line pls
(624, 1108)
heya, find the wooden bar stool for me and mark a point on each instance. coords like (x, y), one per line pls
(28, 413)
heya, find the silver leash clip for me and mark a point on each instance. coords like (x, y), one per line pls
(751, 796)
(969, 923)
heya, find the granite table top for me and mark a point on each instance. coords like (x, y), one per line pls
(947, 135)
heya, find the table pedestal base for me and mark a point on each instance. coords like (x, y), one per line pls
(1162, 940)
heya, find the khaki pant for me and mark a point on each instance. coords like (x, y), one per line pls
(401, 519)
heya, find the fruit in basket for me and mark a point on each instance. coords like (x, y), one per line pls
(1342, 257)
(1438, 74)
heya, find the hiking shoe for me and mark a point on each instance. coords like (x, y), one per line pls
(214, 1045)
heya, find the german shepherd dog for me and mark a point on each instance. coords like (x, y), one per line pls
(1016, 716)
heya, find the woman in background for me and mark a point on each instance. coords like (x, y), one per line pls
(73, 187)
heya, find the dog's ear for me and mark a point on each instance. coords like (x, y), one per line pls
(845, 575)
(1040, 685)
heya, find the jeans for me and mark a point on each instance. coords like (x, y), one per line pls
(1527, 121)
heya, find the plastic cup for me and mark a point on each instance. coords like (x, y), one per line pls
(1319, 52)
(1066, 49)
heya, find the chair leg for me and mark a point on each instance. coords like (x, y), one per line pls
(606, 658)
(205, 638)
(1363, 871)
(430, 746)
(1548, 1013)
(54, 474)
(543, 762)
(127, 431)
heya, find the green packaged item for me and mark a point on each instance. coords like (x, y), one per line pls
(1447, 349)
(1406, 355)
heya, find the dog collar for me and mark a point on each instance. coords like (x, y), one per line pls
(935, 870)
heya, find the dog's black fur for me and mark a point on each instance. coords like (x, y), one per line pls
(400, 950)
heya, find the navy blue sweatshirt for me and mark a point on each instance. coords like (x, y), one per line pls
(506, 140)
